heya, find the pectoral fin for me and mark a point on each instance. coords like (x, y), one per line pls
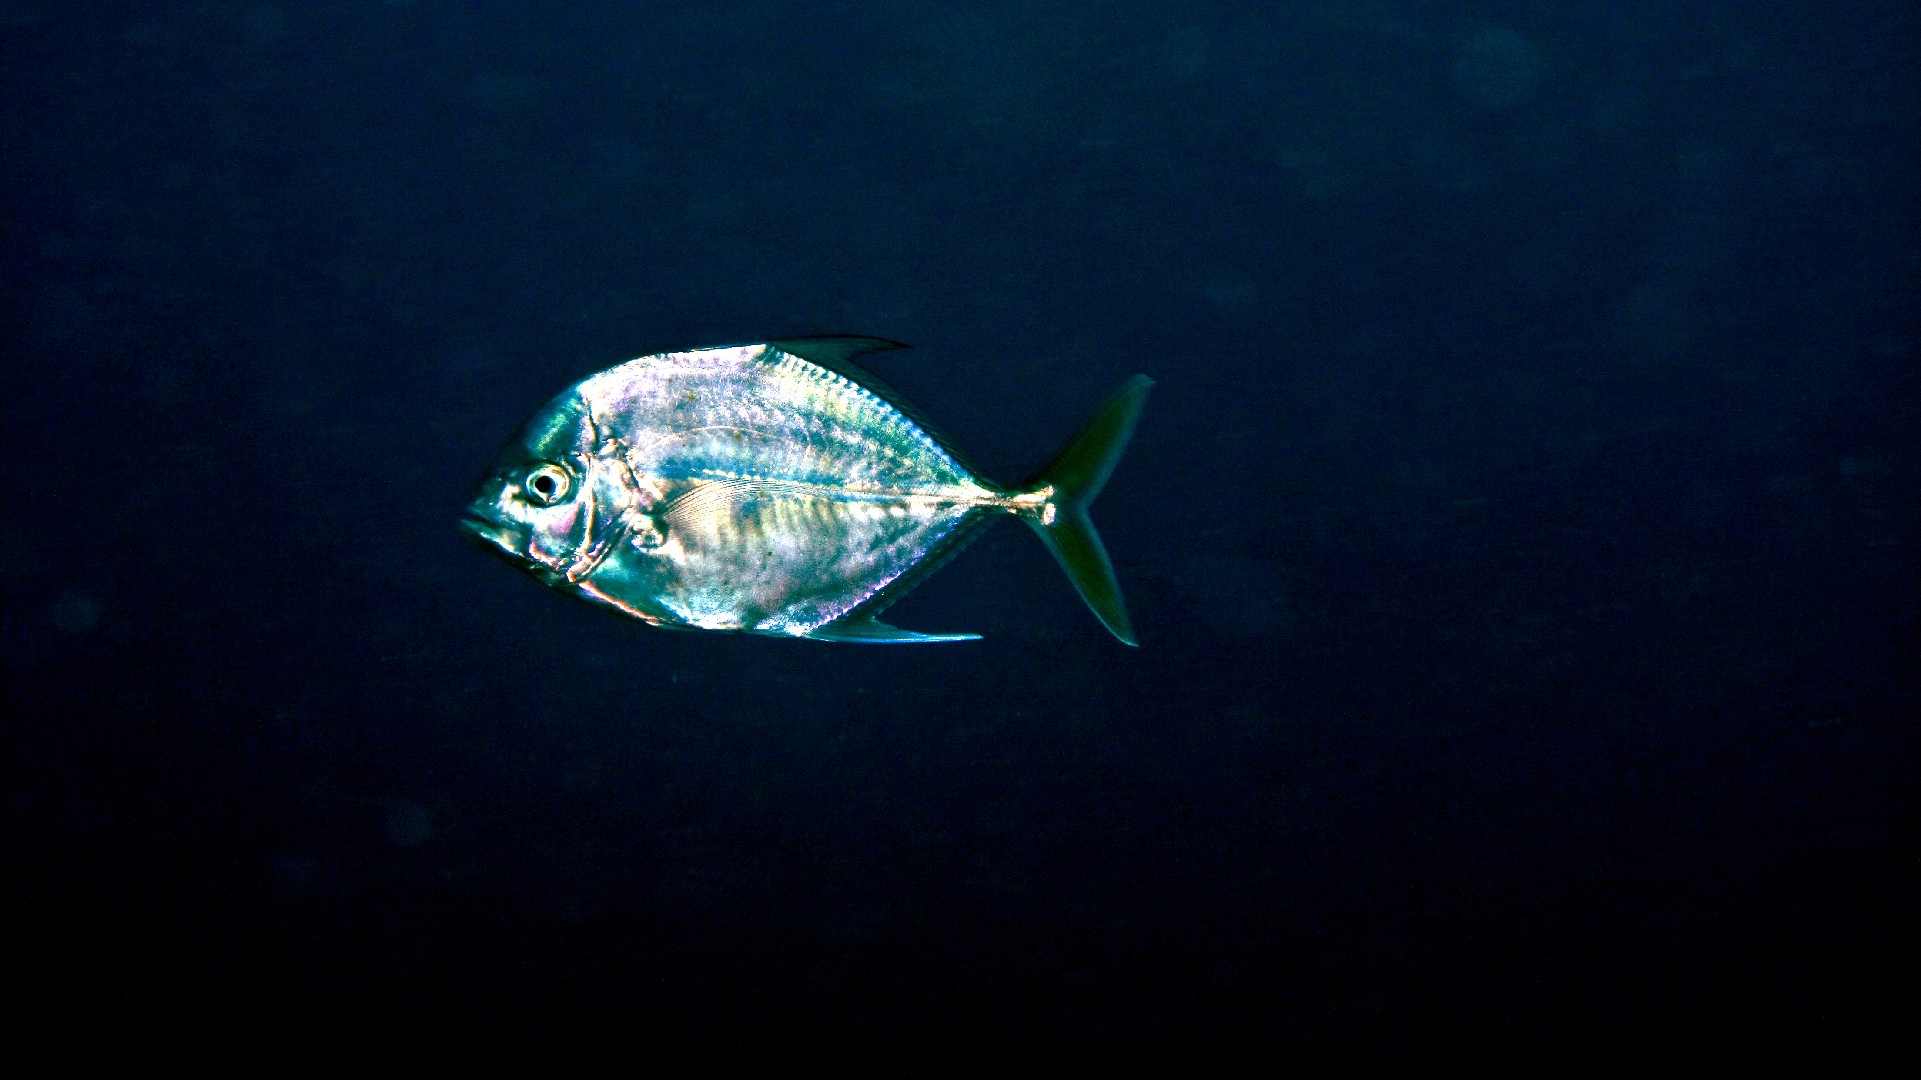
(873, 631)
(708, 505)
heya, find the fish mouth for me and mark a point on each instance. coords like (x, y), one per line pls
(506, 544)
(489, 535)
(479, 527)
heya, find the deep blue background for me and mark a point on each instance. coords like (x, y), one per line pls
(1522, 534)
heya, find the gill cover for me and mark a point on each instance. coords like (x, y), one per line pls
(553, 499)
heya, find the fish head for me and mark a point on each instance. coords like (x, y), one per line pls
(541, 505)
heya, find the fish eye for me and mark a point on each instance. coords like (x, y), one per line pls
(547, 485)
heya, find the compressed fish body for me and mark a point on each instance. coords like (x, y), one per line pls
(769, 488)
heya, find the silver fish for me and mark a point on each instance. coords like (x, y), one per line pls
(773, 488)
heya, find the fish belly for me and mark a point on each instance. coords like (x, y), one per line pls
(775, 557)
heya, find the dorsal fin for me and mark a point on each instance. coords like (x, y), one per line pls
(830, 349)
(836, 353)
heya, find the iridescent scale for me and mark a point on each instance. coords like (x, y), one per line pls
(771, 494)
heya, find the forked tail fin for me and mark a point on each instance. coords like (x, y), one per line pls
(1055, 504)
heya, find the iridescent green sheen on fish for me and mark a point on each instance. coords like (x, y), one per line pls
(772, 489)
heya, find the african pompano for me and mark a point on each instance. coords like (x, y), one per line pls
(773, 489)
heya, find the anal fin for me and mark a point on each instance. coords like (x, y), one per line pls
(873, 631)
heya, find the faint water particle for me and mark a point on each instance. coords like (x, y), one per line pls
(295, 393)
(1889, 345)
(1496, 68)
(1186, 51)
(1239, 596)
(24, 12)
(1654, 322)
(176, 177)
(162, 384)
(265, 25)
(14, 542)
(469, 360)
(622, 158)
(1319, 174)
(506, 91)
(1229, 291)
(66, 316)
(295, 872)
(76, 613)
(407, 824)
(1446, 161)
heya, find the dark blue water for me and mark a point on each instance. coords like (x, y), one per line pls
(1522, 535)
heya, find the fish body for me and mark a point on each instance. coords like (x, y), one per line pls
(771, 488)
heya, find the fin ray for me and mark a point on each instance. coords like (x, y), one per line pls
(708, 504)
(830, 349)
(1076, 475)
(938, 555)
(837, 353)
(870, 630)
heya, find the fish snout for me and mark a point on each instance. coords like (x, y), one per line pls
(490, 534)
